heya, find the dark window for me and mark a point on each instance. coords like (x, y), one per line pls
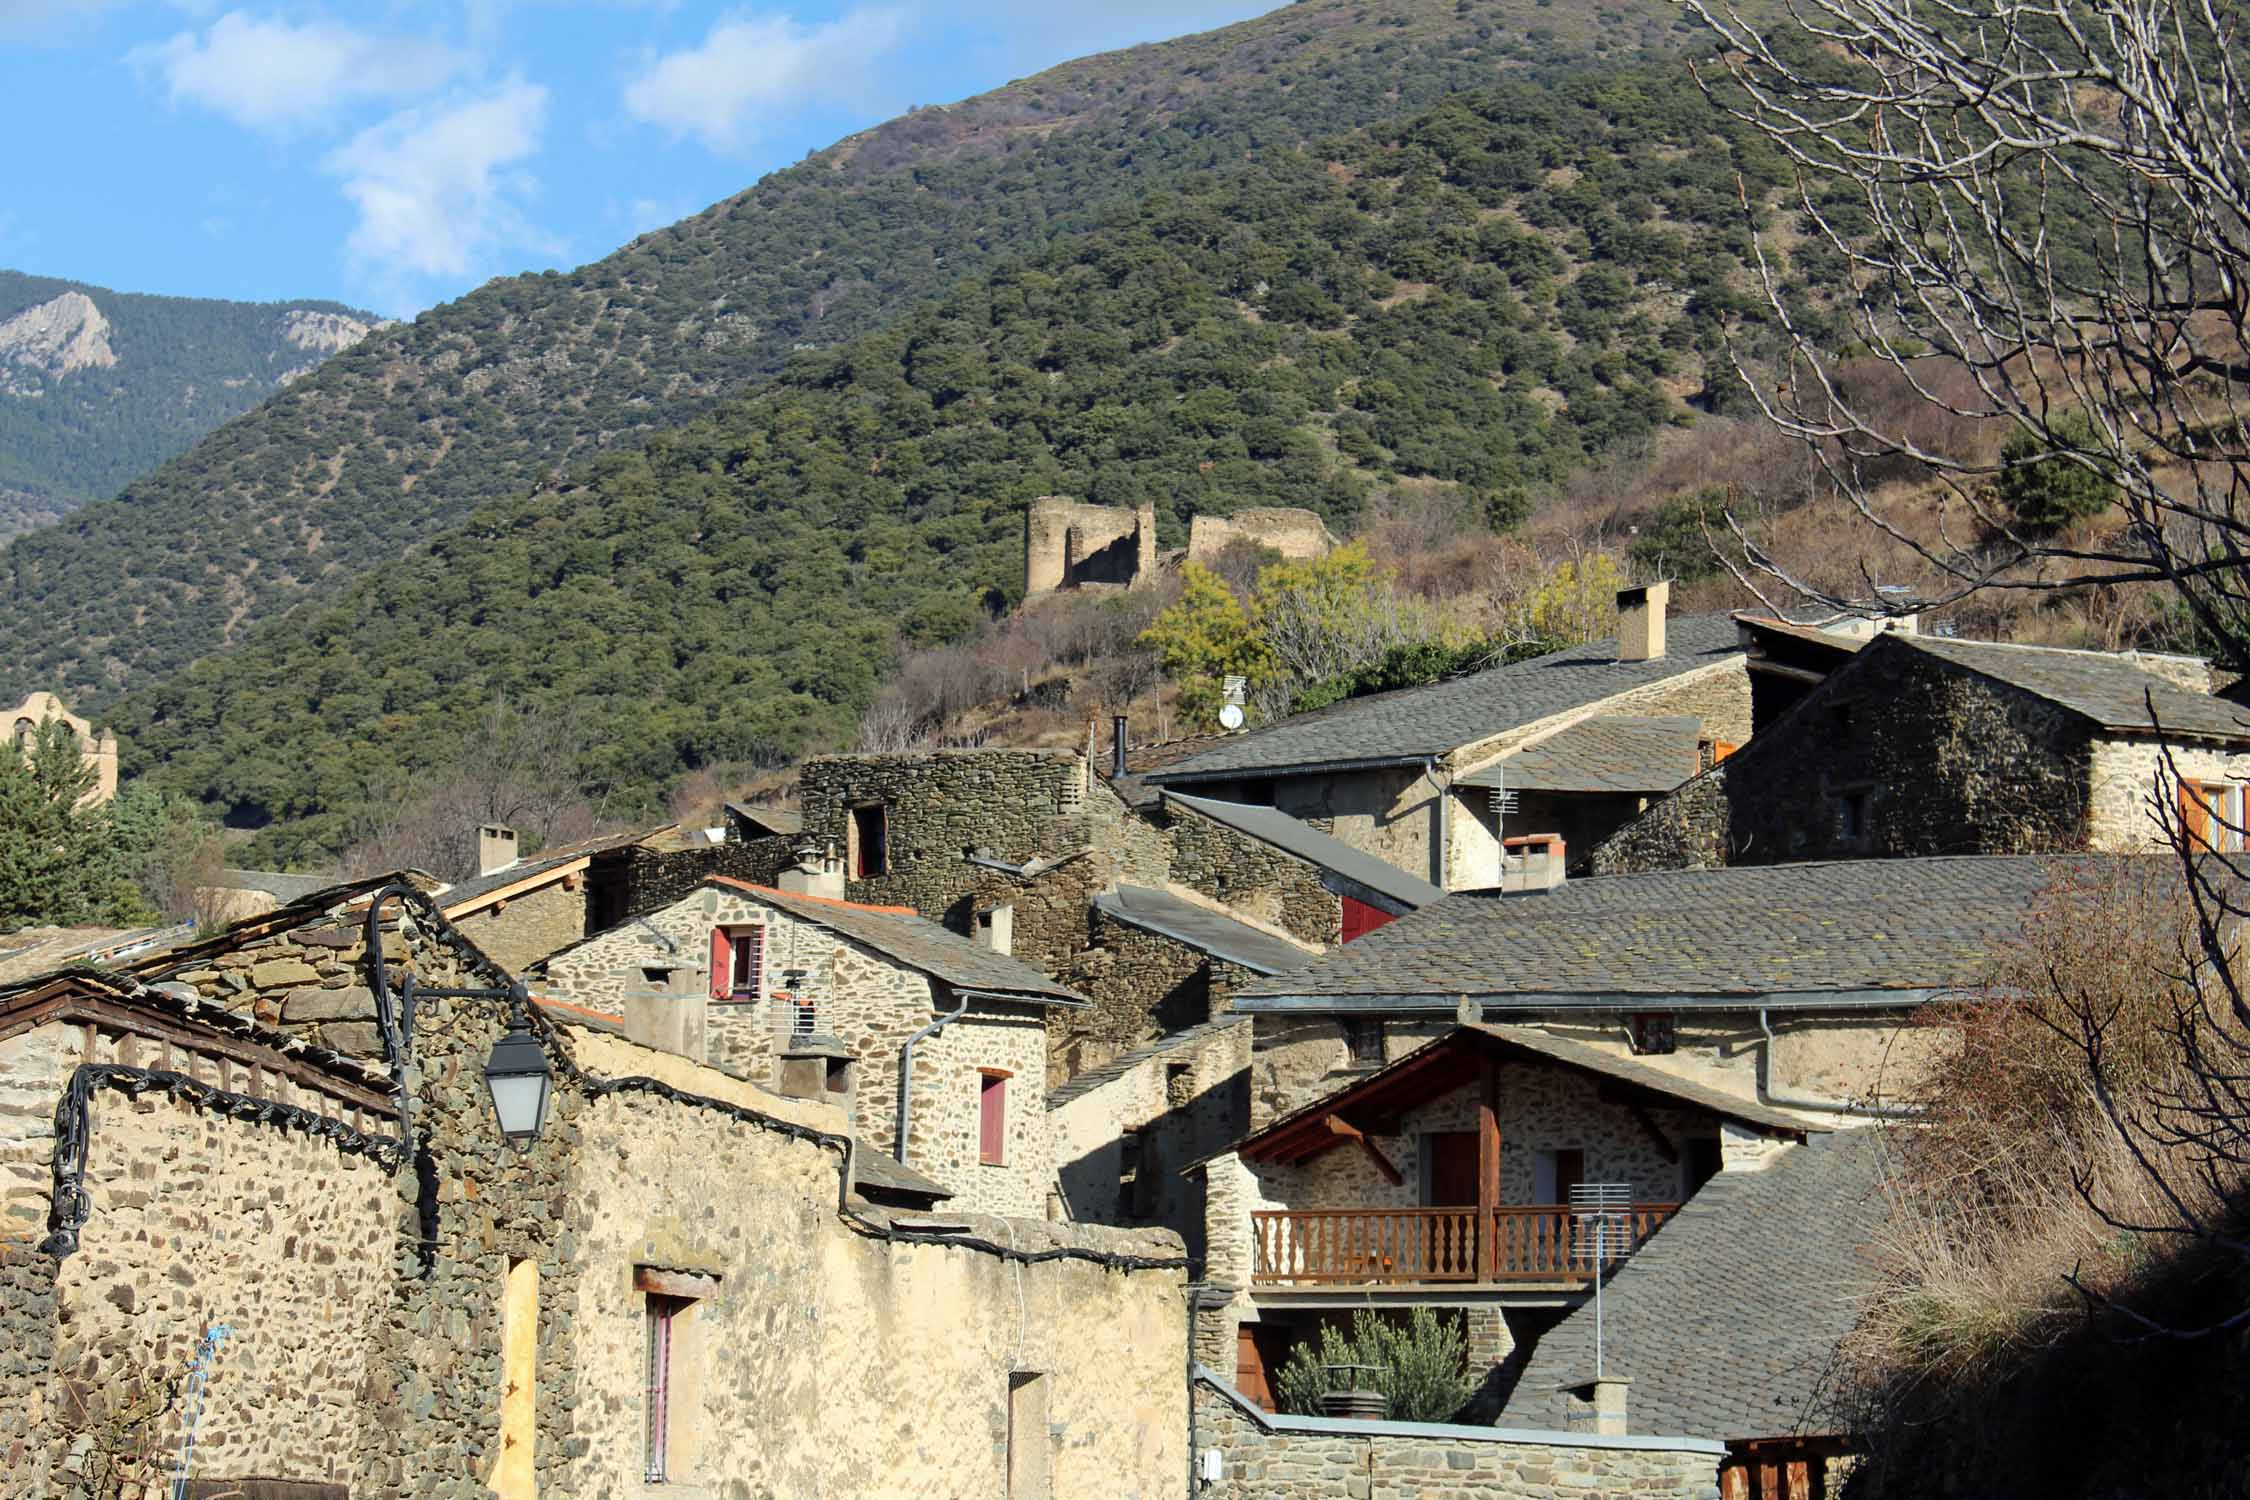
(1655, 1032)
(749, 963)
(1363, 1041)
(870, 852)
(1700, 1161)
(1851, 815)
(1259, 793)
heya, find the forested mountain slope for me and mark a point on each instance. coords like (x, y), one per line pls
(99, 387)
(477, 399)
(1480, 297)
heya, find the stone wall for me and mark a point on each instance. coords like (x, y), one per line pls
(1935, 759)
(2127, 792)
(1069, 543)
(1390, 812)
(1140, 982)
(1297, 1058)
(520, 931)
(370, 1320)
(1252, 877)
(1295, 534)
(1120, 1145)
(1311, 1458)
(869, 1002)
(655, 878)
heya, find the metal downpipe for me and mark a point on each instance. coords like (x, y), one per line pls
(906, 1073)
(1766, 1095)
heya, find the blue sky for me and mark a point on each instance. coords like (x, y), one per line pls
(394, 155)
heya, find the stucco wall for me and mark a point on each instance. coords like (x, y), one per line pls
(1291, 1458)
(1390, 812)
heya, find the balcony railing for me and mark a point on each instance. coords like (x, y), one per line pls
(1409, 1246)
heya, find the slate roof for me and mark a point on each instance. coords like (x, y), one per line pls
(917, 943)
(278, 884)
(1125, 1062)
(1835, 926)
(874, 1168)
(1606, 753)
(2112, 690)
(1726, 1323)
(462, 892)
(1295, 837)
(1202, 929)
(1417, 722)
(786, 822)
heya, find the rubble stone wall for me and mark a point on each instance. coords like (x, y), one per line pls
(1252, 877)
(1296, 534)
(655, 878)
(529, 927)
(1303, 1458)
(2126, 793)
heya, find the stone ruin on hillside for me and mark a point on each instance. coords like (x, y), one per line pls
(1071, 544)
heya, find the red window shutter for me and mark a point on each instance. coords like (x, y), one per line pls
(1360, 919)
(992, 1120)
(722, 963)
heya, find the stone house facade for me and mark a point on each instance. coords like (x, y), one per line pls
(1927, 746)
(672, 1283)
(797, 965)
(1444, 1180)
(1418, 778)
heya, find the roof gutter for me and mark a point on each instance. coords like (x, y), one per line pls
(1161, 778)
(1766, 1095)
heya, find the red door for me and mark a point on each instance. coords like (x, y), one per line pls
(1360, 919)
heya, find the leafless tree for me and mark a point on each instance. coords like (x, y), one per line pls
(2043, 206)
(2045, 209)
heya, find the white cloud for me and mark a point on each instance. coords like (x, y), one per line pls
(751, 67)
(438, 190)
(267, 73)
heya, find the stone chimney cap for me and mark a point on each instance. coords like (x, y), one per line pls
(819, 1044)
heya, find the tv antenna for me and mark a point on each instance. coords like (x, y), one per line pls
(1601, 1214)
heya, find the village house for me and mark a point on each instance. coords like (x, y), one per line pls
(324, 1206)
(1446, 1179)
(912, 1023)
(1792, 986)
(1438, 781)
(1910, 744)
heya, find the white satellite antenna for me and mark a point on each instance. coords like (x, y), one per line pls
(1230, 716)
(1234, 690)
(1601, 1215)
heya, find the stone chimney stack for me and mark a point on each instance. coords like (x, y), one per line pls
(496, 848)
(996, 928)
(817, 872)
(1532, 862)
(818, 1066)
(1640, 621)
(1597, 1406)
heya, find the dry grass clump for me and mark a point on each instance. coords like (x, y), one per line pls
(2066, 1267)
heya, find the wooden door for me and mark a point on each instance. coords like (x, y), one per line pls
(1451, 1179)
(1250, 1367)
(1360, 919)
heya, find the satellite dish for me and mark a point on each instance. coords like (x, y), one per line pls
(1230, 716)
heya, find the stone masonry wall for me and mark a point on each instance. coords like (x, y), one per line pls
(870, 1003)
(1143, 984)
(529, 927)
(1252, 877)
(1294, 533)
(1683, 830)
(2126, 793)
(655, 878)
(1302, 1458)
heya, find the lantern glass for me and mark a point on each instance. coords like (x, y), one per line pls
(521, 1084)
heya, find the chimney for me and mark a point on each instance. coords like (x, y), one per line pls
(816, 873)
(1596, 1406)
(996, 928)
(1116, 747)
(1532, 862)
(1640, 621)
(818, 1066)
(667, 1015)
(496, 848)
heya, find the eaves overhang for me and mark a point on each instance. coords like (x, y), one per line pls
(1426, 1003)
(1300, 768)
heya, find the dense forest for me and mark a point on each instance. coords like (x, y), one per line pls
(1476, 299)
(478, 400)
(163, 372)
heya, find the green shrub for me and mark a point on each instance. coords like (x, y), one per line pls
(2048, 493)
(1672, 542)
(1417, 1364)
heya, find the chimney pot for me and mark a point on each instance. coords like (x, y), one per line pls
(496, 847)
(1640, 621)
(816, 873)
(1116, 746)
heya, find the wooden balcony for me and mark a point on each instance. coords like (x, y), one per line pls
(1432, 1246)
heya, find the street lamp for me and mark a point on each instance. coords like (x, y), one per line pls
(521, 1084)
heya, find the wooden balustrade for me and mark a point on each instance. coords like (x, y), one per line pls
(1532, 1242)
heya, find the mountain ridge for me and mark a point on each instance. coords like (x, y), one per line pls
(392, 441)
